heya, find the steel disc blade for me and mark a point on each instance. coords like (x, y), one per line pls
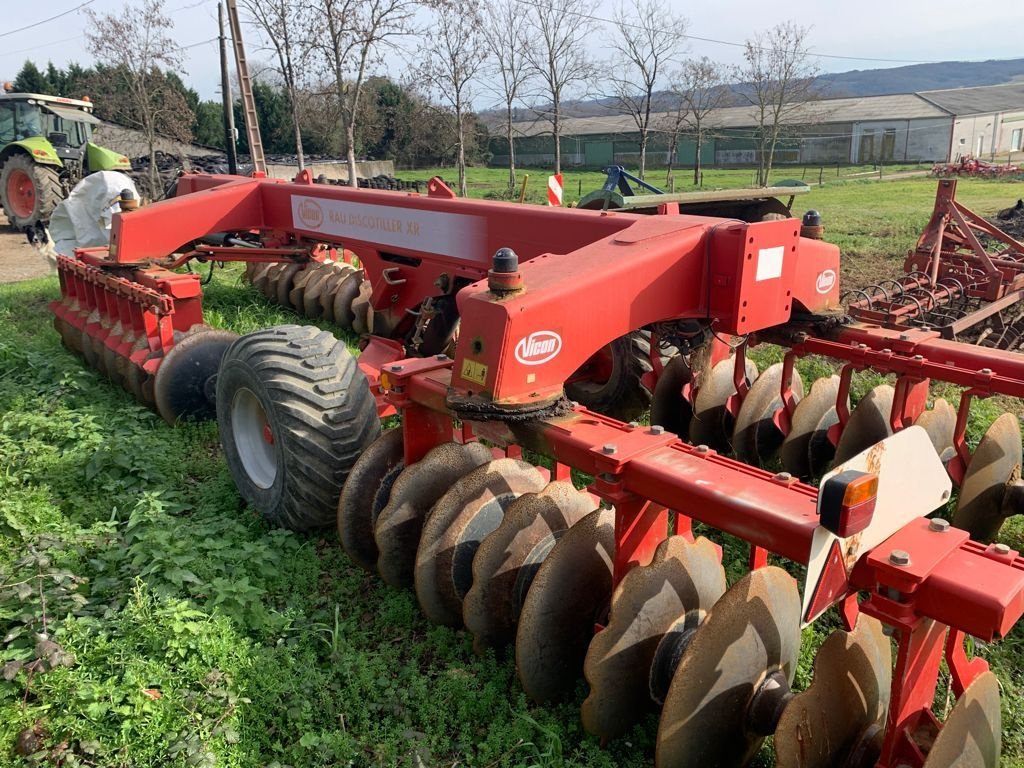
(260, 276)
(88, 341)
(752, 633)
(471, 509)
(285, 282)
(995, 464)
(568, 596)
(417, 488)
(184, 385)
(868, 423)
(140, 383)
(509, 557)
(361, 309)
(939, 422)
(366, 492)
(70, 336)
(270, 287)
(669, 408)
(845, 705)
(711, 424)
(672, 594)
(314, 289)
(755, 438)
(344, 295)
(806, 451)
(339, 273)
(297, 290)
(971, 737)
(111, 362)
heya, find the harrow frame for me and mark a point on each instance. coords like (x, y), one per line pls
(682, 269)
(951, 588)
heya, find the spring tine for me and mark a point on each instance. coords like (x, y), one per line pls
(783, 417)
(739, 380)
(957, 468)
(842, 404)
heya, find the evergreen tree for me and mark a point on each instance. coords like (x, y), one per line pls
(31, 80)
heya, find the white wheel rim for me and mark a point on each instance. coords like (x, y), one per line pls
(251, 431)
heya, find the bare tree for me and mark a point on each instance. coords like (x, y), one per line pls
(648, 39)
(559, 58)
(698, 88)
(777, 77)
(353, 34)
(504, 29)
(134, 43)
(450, 60)
(285, 24)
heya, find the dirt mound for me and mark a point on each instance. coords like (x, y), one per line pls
(1011, 220)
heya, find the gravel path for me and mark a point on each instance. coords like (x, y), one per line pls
(18, 259)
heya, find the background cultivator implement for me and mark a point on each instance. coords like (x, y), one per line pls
(500, 332)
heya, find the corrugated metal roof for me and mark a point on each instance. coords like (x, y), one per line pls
(973, 101)
(908, 106)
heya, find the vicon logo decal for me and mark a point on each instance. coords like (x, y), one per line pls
(826, 281)
(310, 214)
(538, 348)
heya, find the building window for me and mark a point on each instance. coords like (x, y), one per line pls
(962, 141)
(1015, 140)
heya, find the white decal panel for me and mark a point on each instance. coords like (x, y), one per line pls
(456, 235)
(769, 263)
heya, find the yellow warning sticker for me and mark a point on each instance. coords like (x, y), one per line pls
(474, 371)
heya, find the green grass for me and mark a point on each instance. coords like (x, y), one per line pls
(124, 540)
(189, 633)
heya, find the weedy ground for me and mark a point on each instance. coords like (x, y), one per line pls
(147, 618)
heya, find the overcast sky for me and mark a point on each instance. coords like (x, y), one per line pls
(900, 31)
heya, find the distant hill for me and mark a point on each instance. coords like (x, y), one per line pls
(922, 77)
(858, 82)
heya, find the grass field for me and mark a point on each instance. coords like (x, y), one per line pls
(183, 631)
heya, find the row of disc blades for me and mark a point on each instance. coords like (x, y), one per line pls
(333, 290)
(491, 544)
(184, 384)
(990, 490)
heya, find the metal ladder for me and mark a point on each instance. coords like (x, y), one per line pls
(252, 125)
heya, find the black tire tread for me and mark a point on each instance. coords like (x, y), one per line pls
(48, 189)
(623, 396)
(325, 413)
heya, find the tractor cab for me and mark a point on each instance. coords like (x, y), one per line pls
(45, 149)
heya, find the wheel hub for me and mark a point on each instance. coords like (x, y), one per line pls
(21, 193)
(254, 438)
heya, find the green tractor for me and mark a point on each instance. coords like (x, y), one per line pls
(45, 149)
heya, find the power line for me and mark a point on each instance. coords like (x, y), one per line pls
(32, 48)
(78, 7)
(79, 37)
(732, 43)
(201, 42)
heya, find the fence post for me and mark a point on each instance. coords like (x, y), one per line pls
(821, 175)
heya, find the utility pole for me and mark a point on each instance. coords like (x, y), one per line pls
(225, 91)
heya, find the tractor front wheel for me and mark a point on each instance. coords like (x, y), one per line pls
(28, 191)
(295, 412)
